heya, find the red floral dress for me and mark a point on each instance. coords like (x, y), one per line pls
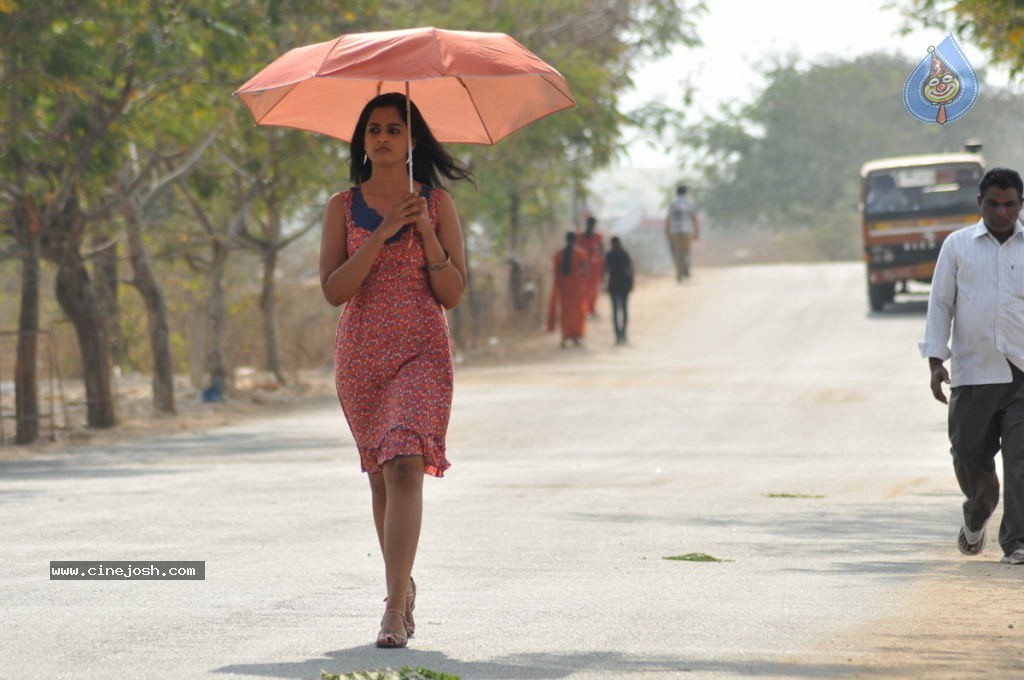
(393, 353)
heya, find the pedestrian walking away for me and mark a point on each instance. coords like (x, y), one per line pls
(619, 267)
(977, 297)
(591, 242)
(682, 228)
(568, 303)
(395, 259)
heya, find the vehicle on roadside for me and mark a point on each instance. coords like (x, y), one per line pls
(908, 206)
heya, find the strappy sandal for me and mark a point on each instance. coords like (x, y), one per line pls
(410, 605)
(410, 598)
(392, 639)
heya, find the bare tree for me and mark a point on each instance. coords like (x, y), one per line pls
(221, 243)
(136, 198)
(279, 187)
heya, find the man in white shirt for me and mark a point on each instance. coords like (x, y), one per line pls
(978, 289)
(681, 227)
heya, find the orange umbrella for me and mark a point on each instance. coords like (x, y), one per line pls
(471, 87)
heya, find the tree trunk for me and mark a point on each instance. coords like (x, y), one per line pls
(156, 317)
(26, 232)
(26, 385)
(268, 305)
(78, 300)
(515, 282)
(107, 282)
(513, 224)
(215, 365)
(465, 316)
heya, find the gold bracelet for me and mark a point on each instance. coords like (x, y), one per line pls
(440, 266)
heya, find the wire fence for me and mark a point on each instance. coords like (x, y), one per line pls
(52, 403)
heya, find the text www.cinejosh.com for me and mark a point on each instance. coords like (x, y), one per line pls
(112, 570)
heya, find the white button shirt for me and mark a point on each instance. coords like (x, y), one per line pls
(978, 287)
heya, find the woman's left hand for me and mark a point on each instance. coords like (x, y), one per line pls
(420, 216)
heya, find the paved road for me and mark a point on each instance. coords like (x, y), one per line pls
(574, 475)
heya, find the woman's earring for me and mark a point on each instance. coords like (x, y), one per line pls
(366, 158)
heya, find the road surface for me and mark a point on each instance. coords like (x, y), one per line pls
(760, 415)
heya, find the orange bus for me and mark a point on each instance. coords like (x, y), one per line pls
(908, 206)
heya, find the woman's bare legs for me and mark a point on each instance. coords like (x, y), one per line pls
(379, 498)
(397, 496)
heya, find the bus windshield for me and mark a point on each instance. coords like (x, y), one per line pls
(921, 191)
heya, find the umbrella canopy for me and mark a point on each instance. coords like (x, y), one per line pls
(471, 87)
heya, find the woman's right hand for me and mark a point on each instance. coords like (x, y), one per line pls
(405, 212)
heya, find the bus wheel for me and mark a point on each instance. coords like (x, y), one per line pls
(879, 294)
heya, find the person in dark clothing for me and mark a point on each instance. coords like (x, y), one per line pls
(619, 268)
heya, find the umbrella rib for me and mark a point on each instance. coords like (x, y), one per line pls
(292, 86)
(476, 109)
(320, 66)
(278, 102)
(554, 85)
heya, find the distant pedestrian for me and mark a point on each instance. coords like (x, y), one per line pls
(682, 227)
(591, 242)
(395, 259)
(619, 268)
(570, 281)
(978, 291)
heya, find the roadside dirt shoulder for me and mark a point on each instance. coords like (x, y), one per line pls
(964, 620)
(254, 400)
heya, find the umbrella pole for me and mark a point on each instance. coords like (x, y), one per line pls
(408, 129)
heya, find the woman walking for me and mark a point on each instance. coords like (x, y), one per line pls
(620, 283)
(569, 292)
(396, 260)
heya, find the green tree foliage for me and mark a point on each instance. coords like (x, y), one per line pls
(262, 186)
(102, 97)
(995, 25)
(107, 104)
(78, 81)
(791, 158)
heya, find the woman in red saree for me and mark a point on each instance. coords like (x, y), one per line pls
(569, 291)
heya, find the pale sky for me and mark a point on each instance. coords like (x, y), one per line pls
(737, 35)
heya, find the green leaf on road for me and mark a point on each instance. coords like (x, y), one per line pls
(695, 557)
(789, 495)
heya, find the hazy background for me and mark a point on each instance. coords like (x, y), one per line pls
(738, 46)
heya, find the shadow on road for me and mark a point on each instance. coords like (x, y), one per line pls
(129, 460)
(539, 666)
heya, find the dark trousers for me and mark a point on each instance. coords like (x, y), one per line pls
(620, 314)
(984, 419)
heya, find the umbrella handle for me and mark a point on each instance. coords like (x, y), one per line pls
(408, 129)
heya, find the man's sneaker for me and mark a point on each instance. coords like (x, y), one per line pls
(1016, 557)
(970, 542)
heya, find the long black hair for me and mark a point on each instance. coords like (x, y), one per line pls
(570, 245)
(430, 160)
